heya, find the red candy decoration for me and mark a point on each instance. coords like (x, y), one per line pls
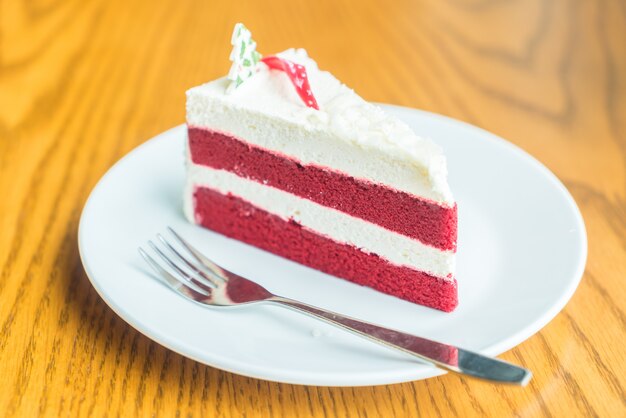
(297, 75)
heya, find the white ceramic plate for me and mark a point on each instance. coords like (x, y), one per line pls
(522, 251)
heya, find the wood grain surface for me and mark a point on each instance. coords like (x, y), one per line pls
(82, 82)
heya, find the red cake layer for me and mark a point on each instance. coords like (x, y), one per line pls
(239, 219)
(421, 219)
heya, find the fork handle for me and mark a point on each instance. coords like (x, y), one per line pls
(444, 356)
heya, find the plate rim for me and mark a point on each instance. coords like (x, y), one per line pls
(370, 378)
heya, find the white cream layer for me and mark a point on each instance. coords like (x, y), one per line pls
(347, 133)
(331, 223)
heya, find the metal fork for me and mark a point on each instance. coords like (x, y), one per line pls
(196, 277)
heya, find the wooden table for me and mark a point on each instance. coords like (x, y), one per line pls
(83, 82)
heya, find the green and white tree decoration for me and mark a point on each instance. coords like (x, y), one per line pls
(246, 60)
(244, 56)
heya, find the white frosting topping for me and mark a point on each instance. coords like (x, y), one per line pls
(357, 127)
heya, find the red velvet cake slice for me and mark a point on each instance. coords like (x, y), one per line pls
(284, 157)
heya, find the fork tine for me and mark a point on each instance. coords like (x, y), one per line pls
(217, 270)
(201, 275)
(174, 282)
(189, 280)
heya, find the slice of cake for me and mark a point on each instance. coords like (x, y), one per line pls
(285, 157)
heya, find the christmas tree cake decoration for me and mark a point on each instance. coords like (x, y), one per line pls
(246, 60)
(244, 56)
